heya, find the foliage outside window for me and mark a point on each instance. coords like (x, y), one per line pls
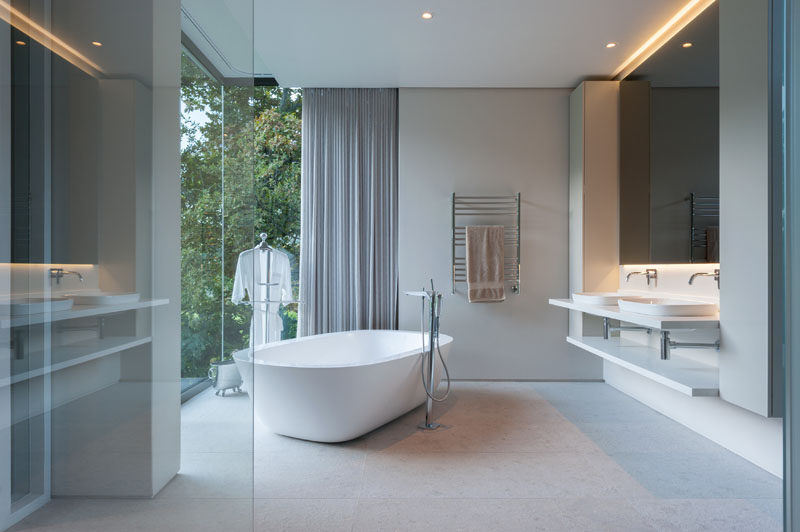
(240, 175)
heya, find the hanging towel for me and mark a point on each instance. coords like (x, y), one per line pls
(712, 244)
(485, 252)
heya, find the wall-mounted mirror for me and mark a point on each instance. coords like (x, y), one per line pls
(54, 158)
(669, 150)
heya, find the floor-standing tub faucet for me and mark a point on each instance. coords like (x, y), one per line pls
(434, 299)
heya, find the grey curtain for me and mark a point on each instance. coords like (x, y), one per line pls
(348, 257)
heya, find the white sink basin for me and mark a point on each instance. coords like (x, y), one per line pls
(667, 307)
(596, 298)
(38, 305)
(97, 297)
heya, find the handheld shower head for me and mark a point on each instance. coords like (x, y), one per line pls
(418, 293)
(427, 294)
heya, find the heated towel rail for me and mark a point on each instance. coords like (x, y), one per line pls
(486, 210)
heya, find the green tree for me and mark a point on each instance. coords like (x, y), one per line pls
(278, 132)
(240, 175)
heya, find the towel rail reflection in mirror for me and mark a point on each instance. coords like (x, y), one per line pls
(486, 210)
(704, 216)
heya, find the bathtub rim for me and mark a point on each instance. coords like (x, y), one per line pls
(243, 355)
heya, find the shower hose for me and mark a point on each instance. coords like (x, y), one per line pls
(435, 339)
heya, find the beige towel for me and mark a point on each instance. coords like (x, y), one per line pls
(712, 244)
(485, 251)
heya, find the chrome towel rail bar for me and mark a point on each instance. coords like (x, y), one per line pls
(481, 210)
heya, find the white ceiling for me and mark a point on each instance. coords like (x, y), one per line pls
(124, 28)
(223, 31)
(469, 43)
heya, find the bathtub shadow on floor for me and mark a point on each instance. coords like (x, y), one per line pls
(478, 416)
(471, 412)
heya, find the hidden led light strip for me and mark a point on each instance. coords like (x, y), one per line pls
(679, 21)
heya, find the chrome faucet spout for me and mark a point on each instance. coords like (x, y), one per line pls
(649, 273)
(80, 277)
(59, 273)
(715, 275)
(628, 277)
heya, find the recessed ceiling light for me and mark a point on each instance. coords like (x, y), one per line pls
(21, 43)
(97, 43)
(687, 45)
(427, 15)
(611, 45)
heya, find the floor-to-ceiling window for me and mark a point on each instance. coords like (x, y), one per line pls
(201, 220)
(278, 128)
(219, 206)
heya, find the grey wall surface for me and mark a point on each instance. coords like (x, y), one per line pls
(685, 159)
(490, 141)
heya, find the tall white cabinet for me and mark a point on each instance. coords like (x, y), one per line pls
(594, 194)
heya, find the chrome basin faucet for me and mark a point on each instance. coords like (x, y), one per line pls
(650, 273)
(715, 275)
(59, 273)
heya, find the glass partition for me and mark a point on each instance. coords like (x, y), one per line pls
(126, 192)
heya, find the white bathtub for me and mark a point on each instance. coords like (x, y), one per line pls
(336, 387)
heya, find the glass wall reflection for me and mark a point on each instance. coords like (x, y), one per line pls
(118, 238)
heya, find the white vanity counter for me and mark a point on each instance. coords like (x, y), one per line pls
(62, 355)
(655, 322)
(77, 311)
(679, 373)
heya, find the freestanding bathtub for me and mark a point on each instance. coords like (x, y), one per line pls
(336, 387)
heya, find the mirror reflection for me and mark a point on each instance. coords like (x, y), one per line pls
(669, 150)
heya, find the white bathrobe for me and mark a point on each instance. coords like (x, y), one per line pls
(266, 325)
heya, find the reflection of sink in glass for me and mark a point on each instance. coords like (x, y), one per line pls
(608, 299)
(38, 305)
(98, 297)
(667, 307)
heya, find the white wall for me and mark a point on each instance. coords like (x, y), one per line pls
(490, 141)
(744, 203)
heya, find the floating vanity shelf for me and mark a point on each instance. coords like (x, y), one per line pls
(681, 374)
(654, 322)
(70, 355)
(77, 311)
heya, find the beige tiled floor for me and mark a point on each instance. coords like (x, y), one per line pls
(512, 456)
